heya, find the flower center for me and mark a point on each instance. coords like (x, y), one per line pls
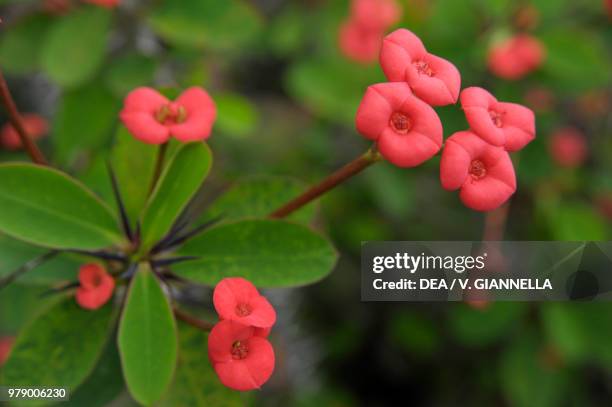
(423, 67)
(96, 280)
(477, 169)
(171, 113)
(496, 117)
(400, 123)
(243, 309)
(239, 350)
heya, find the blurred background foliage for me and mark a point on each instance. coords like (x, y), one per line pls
(286, 99)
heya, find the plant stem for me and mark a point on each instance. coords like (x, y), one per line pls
(159, 165)
(495, 223)
(353, 168)
(30, 265)
(198, 323)
(15, 118)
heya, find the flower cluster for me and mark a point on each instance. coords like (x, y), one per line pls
(238, 347)
(399, 117)
(96, 286)
(361, 35)
(153, 119)
(35, 125)
(515, 57)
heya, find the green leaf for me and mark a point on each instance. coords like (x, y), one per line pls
(195, 382)
(19, 304)
(480, 327)
(76, 45)
(20, 46)
(147, 338)
(84, 121)
(178, 183)
(129, 72)
(270, 253)
(257, 197)
(46, 207)
(213, 23)
(103, 385)
(60, 347)
(331, 88)
(236, 114)
(133, 162)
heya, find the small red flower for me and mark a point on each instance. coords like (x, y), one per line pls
(516, 57)
(407, 130)
(499, 123)
(375, 15)
(152, 118)
(358, 43)
(105, 3)
(6, 343)
(483, 172)
(35, 125)
(403, 58)
(237, 299)
(242, 360)
(568, 147)
(96, 286)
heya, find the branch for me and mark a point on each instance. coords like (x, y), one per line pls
(201, 325)
(15, 118)
(353, 168)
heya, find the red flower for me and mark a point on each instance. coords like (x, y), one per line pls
(483, 172)
(516, 57)
(35, 125)
(152, 118)
(502, 124)
(237, 299)
(242, 360)
(6, 343)
(568, 147)
(375, 14)
(407, 130)
(105, 3)
(358, 43)
(96, 286)
(403, 57)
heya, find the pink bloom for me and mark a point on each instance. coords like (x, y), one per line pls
(499, 123)
(242, 360)
(375, 15)
(35, 125)
(484, 173)
(403, 58)
(407, 130)
(358, 43)
(105, 3)
(568, 147)
(516, 57)
(237, 299)
(96, 286)
(6, 343)
(153, 119)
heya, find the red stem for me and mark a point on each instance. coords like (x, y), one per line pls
(15, 118)
(198, 323)
(353, 168)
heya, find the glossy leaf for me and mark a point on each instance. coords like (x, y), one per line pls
(75, 46)
(257, 197)
(19, 46)
(195, 382)
(147, 338)
(270, 253)
(46, 207)
(60, 347)
(236, 114)
(178, 183)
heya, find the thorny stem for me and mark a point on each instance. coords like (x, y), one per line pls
(201, 325)
(353, 168)
(15, 118)
(159, 165)
(32, 264)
